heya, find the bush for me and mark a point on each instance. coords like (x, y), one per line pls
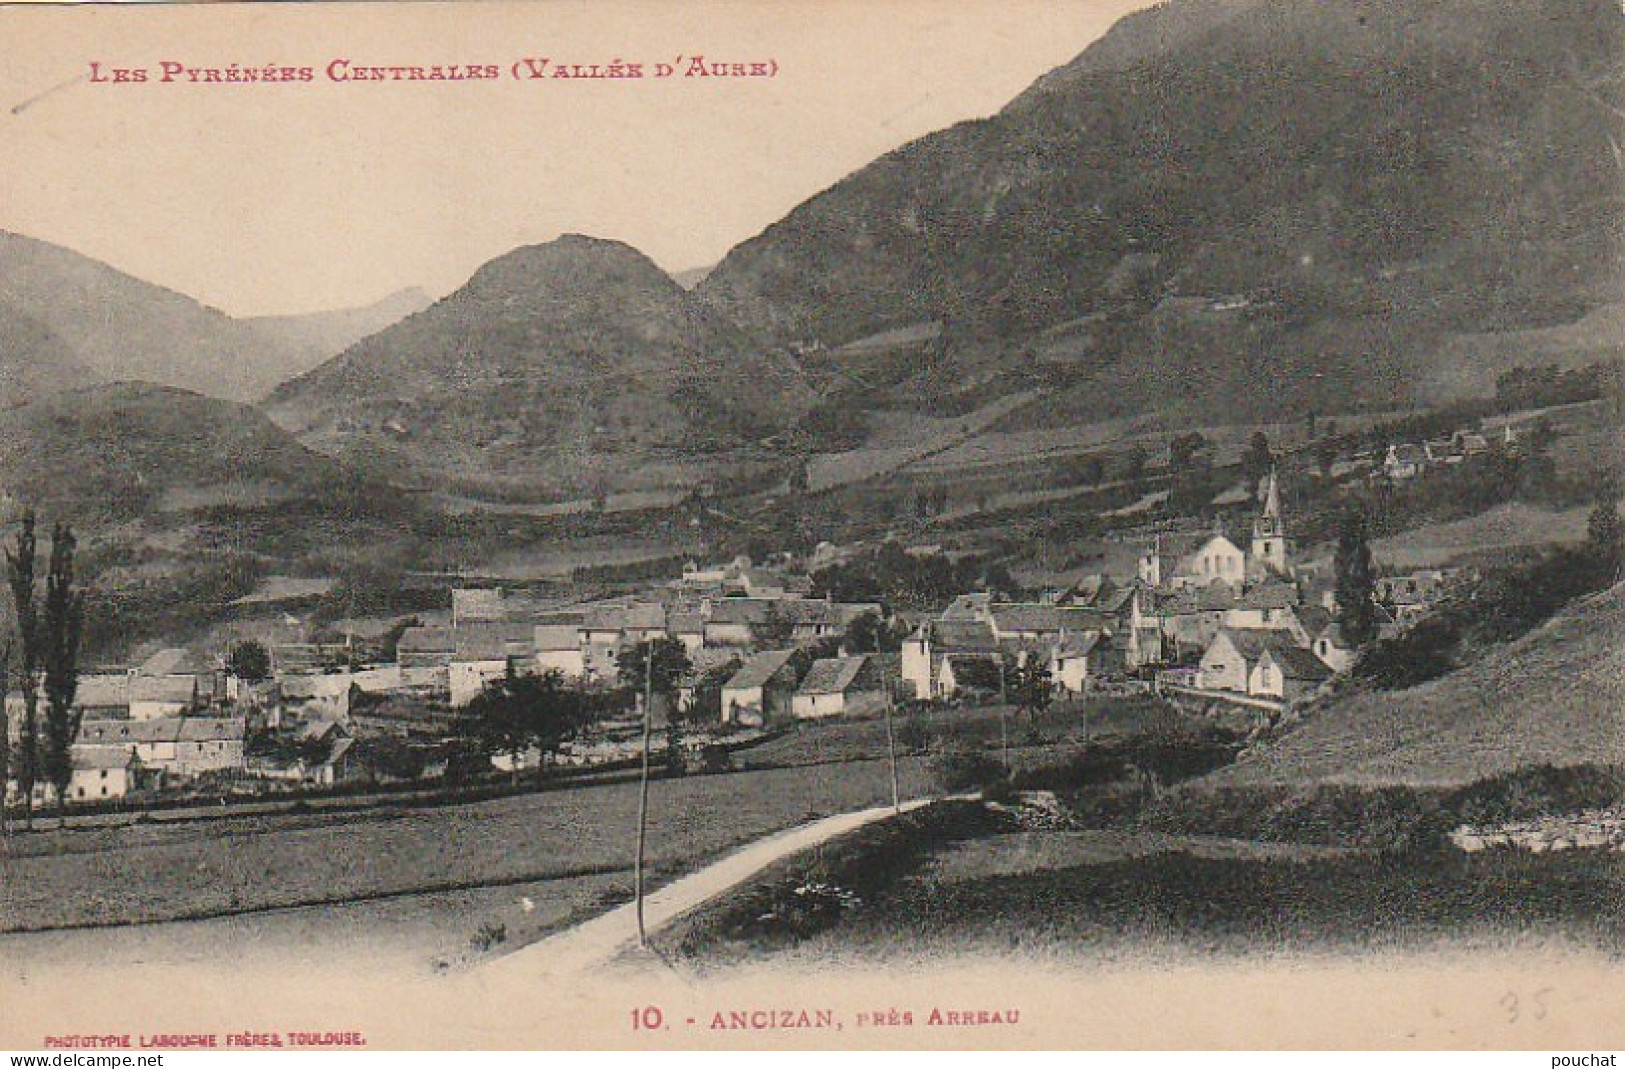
(964, 770)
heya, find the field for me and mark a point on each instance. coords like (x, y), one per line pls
(1065, 725)
(1179, 903)
(960, 883)
(447, 871)
(1504, 527)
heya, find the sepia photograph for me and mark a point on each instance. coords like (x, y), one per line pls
(952, 524)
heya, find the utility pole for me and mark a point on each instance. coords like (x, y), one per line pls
(1004, 717)
(891, 738)
(643, 785)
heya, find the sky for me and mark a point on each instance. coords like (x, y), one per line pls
(292, 197)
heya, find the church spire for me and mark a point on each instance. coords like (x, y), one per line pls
(1269, 534)
(1272, 500)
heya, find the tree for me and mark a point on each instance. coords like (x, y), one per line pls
(64, 625)
(1605, 539)
(20, 578)
(1030, 685)
(1258, 460)
(1134, 462)
(1356, 591)
(516, 712)
(706, 704)
(250, 660)
(659, 667)
(1326, 456)
(5, 733)
(799, 480)
(870, 633)
(775, 630)
(1185, 449)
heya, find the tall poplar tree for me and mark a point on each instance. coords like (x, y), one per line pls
(1356, 579)
(20, 580)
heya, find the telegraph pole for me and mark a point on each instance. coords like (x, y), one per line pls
(643, 786)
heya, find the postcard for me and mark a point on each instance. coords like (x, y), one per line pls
(837, 525)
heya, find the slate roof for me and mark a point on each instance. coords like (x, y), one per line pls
(1314, 618)
(832, 675)
(555, 637)
(1080, 645)
(1269, 596)
(964, 636)
(761, 668)
(491, 641)
(1216, 597)
(1251, 642)
(161, 729)
(426, 640)
(1300, 664)
(110, 691)
(93, 757)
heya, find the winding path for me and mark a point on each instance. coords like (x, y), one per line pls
(594, 944)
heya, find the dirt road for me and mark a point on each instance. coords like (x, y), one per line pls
(593, 945)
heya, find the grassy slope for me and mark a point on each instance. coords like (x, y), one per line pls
(1508, 526)
(158, 872)
(1555, 696)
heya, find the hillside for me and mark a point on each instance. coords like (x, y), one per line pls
(1310, 193)
(133, 450)
(34, 361)
(569, 364)
(1555, 696)
(315, 337)
(125, 329)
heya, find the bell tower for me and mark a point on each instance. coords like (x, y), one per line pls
(1269, 537)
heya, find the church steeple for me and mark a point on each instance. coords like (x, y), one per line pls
(1269, 534)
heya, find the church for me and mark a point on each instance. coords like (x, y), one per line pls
(1219, 560)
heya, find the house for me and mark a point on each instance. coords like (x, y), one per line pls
(924, 652)
(483, 653)
(1260, 664)
(688, 627)
(760, 692)
(1268, 606)
(731, 621)
(323, 695)
(1079, 659)
(1286, 673)
(1333, 650)
(208, 744)
(103, 774)
(1187, 620)
(1404, 461)
(477, 606)
(425, 647)
(182, 747)
(132, 696)
(1410, 597)
(840, 686)
(559, 648)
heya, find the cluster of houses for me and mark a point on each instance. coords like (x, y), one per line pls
(1408, 460)
(1198, 617)
(1203, 618)
(155, 725)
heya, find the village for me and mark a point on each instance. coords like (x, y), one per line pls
(1244, 636)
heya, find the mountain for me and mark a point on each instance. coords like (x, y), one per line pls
(34, 361)
(1315, 194)
(122, 328)
(315, 337)
(556, 365)
(135, 451)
